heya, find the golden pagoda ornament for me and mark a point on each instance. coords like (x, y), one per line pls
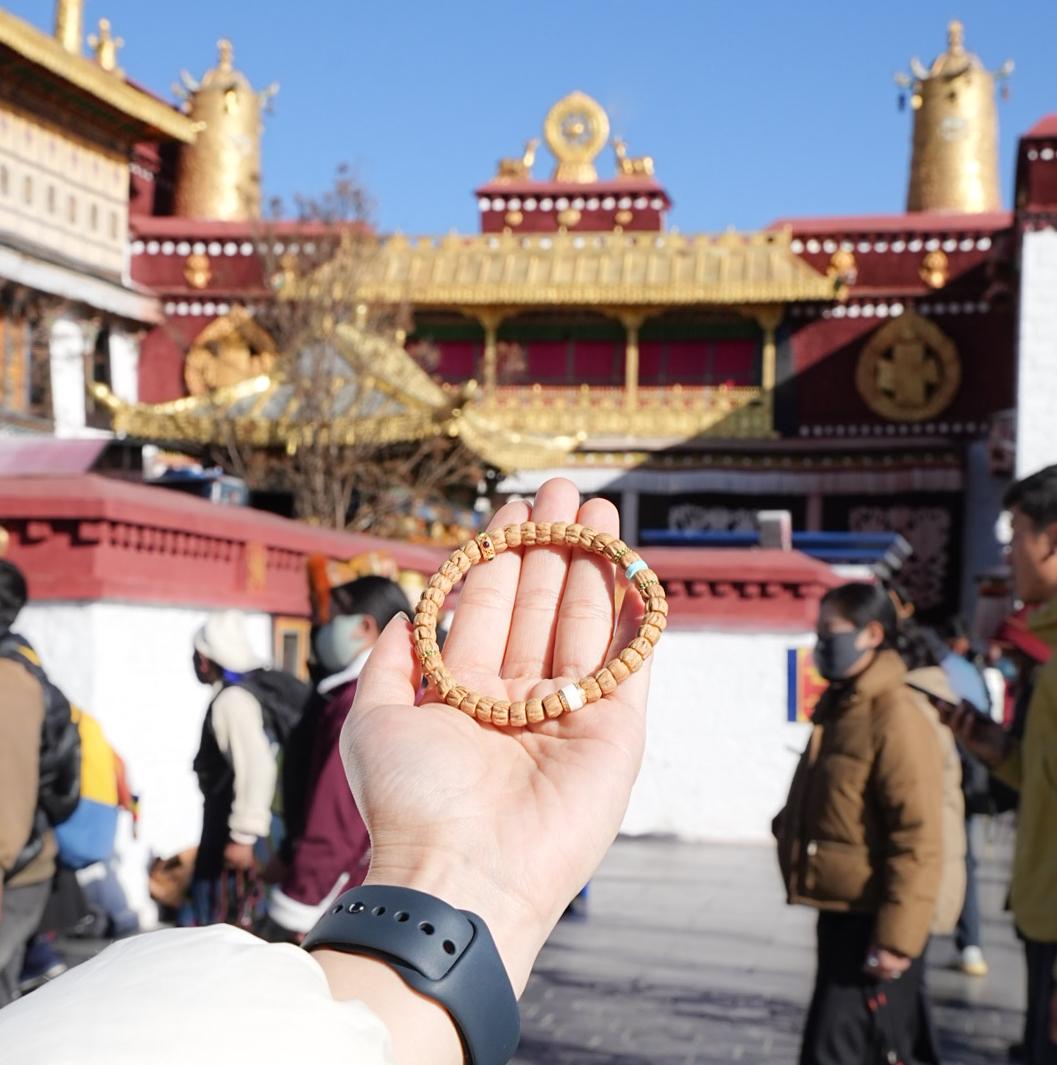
(576, 129)
(954, 164)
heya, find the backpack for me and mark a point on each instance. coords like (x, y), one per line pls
(282, 697)
(59, 779)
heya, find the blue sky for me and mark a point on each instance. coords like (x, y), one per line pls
(752, 110)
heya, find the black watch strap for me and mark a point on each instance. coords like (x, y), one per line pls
(444, 953)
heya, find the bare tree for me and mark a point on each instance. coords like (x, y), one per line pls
(354, 448)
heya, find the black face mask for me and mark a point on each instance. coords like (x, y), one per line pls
(836, 654)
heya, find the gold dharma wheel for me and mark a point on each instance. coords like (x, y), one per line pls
(576, 129)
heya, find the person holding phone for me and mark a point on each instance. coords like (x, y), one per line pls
(1030, 764)
(860, 837)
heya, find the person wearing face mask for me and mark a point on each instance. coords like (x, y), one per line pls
(860, 838)
(327, 847)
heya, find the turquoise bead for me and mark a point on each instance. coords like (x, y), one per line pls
(636, 567)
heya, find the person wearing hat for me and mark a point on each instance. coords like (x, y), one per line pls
(235, 763)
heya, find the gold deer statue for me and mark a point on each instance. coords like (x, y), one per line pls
(631, 165)
(512, 169)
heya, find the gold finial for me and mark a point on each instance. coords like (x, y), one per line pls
(69, 18)
(576, 129)
(955, 37)
(512, 169)
(954, 162)
(219, 175)
(105, 45)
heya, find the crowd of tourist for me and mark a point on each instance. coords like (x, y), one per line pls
(919, 733)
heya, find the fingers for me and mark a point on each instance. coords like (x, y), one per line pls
(478, 637)
(391, 674)
(585, 618)
(530, 646)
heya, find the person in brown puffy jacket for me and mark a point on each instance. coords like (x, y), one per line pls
(860, 839)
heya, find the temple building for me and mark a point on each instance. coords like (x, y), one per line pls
(859, 372)
(70, 312)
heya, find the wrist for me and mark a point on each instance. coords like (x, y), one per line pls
(518, 929)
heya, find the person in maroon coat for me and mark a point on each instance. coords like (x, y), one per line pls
(327, 848)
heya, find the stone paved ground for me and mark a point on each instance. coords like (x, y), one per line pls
(688, 955)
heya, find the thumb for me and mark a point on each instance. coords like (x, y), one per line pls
(391, 675)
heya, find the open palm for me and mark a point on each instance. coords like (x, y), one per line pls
(512, 821)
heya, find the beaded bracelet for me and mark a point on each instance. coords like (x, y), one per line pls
(589, 689)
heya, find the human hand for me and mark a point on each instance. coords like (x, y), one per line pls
(884, 964)
(508, 823)
(979, 735)
(239, 855)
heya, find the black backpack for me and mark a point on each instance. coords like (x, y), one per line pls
(282, 697)
(59, 779)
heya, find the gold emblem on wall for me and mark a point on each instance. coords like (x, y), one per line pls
(908, 371)
(197, 271)
(935, 269)
(227, 351)
(577, 129)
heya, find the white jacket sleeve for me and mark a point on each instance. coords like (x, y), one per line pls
(214, 994)
(239, 728)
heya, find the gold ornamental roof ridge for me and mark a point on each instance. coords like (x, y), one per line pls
(85, 74)
(591, 269)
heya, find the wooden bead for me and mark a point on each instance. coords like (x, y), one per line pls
(518, 713)
(428, 647)
(558, 529)
(456, 695)
(572, 534)
(484, 708)
(451, 572)
(650, 632)
(501, 712)
(424, 617)
(656, 619)
(591, 688)
(528, 533)
(552, 705)
(606, 681)
(587, 538)
(425, 632)
(441, 583)
(445, 682)
(512, 533)
(434, 595)
(472, 550)
(461, 561)
(543, 532)
(629, 558)
(632, 659)
(469, 704)
(534, 711)
(619, 669)
(657, 604)
(643, 646)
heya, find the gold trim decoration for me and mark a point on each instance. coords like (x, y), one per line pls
(153, 117)
(105, 47)
(935, 269)
(512, 169)
(227, 351)
(655, 270)
(909, 371)
(198, 271)
(576, 129)
(631, 166)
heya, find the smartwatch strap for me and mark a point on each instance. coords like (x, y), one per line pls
(444, 953)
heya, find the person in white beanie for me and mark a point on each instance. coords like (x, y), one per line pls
(235, 763)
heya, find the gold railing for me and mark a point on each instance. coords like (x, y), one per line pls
(675, 412)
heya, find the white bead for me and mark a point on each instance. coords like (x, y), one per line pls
(573, 696)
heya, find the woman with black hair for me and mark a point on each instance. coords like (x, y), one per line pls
(860, 838)
(327, 847)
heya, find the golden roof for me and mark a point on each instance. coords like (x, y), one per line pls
(380, 396)
(597, 269)
(156, 118)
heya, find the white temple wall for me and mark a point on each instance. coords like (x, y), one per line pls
(1037, 353)
(720, 752)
